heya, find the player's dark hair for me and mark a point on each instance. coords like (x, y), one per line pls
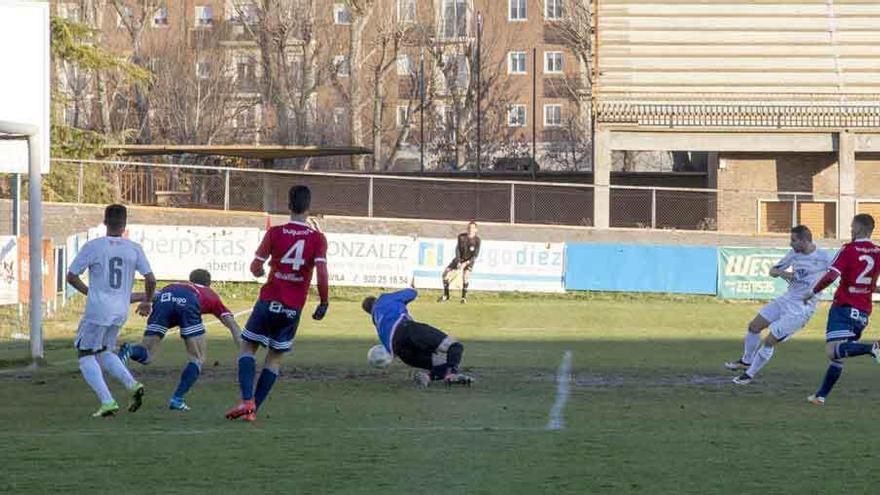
(865, 220)
(368, 304)
(802, 232)
(200, 276)
(299, 199)
(115, 216)
(472, 222)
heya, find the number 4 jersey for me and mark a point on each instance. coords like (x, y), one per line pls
(858, 264)
(111, 262)
(292, 249)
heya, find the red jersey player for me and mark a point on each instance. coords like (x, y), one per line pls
(182, 305)
(293, 250)
(858, 266)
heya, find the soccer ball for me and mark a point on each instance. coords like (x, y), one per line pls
(378, 357)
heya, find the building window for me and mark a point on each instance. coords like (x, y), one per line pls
(516, 63)
(339, 115)
(455, 71)
(406, 10)
(246, 119)
(552, 62)
(341, 65)
(341, 14)
(517, 10)
(243, 12)
(553, 10)
(126, 17)
(516, 116)
(204, 16)
(160, 17)
(454, 19)
(246, 74)
(402, 115)
(69, 11)
(552, 115)
(203, 68)
(405, 66)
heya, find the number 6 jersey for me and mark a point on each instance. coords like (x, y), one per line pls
(111, 262)
(292, 249)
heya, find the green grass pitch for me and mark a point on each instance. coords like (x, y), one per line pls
(650, 411)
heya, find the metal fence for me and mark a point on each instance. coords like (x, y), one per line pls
(355, 194)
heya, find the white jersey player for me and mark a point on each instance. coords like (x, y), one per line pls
(789, 312)
(111, 262)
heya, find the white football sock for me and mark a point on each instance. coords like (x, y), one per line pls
(91, 371)
(751, 342)
(761, 357)
(111, 362)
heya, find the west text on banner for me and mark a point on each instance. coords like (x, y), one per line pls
(744, 273)
(370, 260)
(501, 266)
(8, 270)
(641, 268)
(173, 252)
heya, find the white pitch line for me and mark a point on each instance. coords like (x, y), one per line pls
(563, 386)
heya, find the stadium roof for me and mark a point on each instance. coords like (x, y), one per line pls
(268, 152)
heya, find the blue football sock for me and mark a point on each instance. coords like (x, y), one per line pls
(264, 385)
(187, 379)
(139, 353)
(831, 376)
(853, 349)
(247, 368)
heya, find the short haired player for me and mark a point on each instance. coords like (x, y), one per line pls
(858, 266)
(788, 313)
(467, 250)
(111, 261)
(182, 305)
(293, 250)
(417, 344)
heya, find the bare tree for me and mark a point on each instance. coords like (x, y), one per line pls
(134, 16)
(193, 92)
(361, 12)
(572, 147)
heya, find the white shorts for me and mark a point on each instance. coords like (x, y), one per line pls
(94, 337)
(786, 317)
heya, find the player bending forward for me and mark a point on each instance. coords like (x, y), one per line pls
(416, 344)
(111, 261)
(182, 305)
(788, 313)
(858, 266)
(467, 250)
(293, 250)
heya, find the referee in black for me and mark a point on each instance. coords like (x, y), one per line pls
(466, 253)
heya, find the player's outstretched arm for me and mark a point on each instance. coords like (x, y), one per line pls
(77, 283)
(828, 279)
(137, 297)
(229, 322)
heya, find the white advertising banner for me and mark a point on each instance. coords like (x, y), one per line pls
(501, 265)
(173, 252)
(370, 260)
(8, 270)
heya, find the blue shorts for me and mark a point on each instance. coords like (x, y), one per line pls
(176, 307)
(273, 325)
(845, 323)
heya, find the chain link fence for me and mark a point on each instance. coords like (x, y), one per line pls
(347, 194)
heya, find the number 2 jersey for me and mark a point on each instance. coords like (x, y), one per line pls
(292, 250)
(858, 264)
(111, 262)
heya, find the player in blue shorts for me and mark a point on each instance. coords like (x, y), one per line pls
(182, 305)
(416, 344)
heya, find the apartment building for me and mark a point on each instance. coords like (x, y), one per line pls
(297, 76)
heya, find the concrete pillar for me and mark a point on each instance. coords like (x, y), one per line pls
(846, 191)
(602, 178)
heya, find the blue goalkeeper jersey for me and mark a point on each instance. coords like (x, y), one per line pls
(388, 311)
